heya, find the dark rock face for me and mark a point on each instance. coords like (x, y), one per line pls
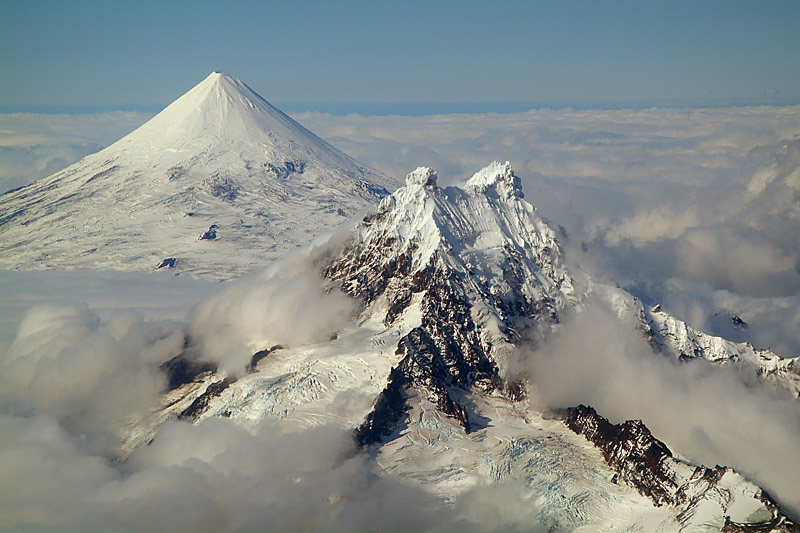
(646, 463)
(285, 169)
(443, 353)
(223, 187)
(259, 355)
(631, 450)
(520, 289)
(448, 352)
(389, 407)
(201, 402)
(183, 369)
(211, 234)
(103, 173)
(169, 262)
(737, 322)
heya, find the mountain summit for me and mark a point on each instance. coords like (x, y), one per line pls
(217, 183)
(222, 112)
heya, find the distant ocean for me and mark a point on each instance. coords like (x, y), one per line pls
(413, 109)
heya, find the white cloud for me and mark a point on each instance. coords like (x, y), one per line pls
(72, 374)
(89, 373)
(207, 477)
(662, 223)
(285, 304)
(158, 295)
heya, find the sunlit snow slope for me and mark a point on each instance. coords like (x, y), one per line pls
(217, 183)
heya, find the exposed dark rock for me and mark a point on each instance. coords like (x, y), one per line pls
(372, 189)
(169, 262)
(200, 403)
(646, 463)
(444, 352)
(389, 407)
(182, 369)
(737, 322)
(778, 523)
(631, 450)
(400, 300)
(175, 172)
(102, 173)
(223, 187)
(285, 169)
(211, 234)
(259, 355)
(365, 272)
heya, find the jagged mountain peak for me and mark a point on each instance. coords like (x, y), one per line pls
(501, 260)
(474, 226)
(450, 281)
(422, 177)
(500, 176)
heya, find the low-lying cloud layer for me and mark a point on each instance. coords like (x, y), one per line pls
(704, 195)
(89, 373)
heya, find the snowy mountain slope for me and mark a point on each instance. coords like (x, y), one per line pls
(214, 185)
(675, 338)
(449, 282)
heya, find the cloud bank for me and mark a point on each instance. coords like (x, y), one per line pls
(286, 304)
(705, 195)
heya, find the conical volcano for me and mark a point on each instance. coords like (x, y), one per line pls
(216, 184)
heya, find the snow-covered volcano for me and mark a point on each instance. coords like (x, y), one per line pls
(448, 284)
(217, 183)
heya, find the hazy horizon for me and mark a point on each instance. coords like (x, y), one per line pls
(567, 53)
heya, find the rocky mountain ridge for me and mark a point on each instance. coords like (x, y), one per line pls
(647, 464)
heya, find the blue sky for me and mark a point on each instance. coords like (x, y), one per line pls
(125, 54)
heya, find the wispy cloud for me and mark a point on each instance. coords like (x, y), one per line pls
(285, 304)
(713, 415)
